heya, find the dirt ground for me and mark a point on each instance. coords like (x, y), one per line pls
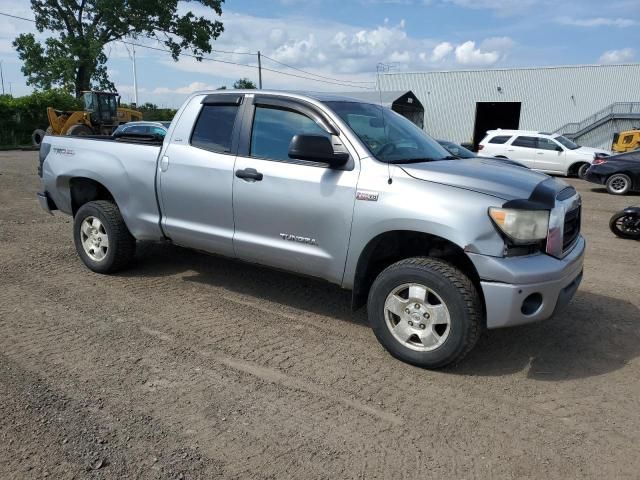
(192, 366)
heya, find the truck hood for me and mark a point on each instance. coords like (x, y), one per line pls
(483, 175)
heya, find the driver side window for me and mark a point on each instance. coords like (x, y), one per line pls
(274, 128)
(546, 144)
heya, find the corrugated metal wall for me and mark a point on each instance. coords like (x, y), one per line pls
(551, 97)
(602, 136)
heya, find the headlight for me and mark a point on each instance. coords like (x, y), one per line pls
(521, 226)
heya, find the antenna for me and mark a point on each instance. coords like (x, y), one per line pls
(383, 68)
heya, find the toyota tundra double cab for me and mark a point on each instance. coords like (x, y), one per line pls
(438, 248)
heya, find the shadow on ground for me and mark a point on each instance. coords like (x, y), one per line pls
(594, 335)
(604, 190)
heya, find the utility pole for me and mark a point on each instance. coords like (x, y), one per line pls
(135, 77)
(259, 71)
(2, 77)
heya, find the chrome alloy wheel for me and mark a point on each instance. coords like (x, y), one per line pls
(619, 184)
(417, 317)
(95, 240)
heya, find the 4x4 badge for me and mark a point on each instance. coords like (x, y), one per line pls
(367, 195)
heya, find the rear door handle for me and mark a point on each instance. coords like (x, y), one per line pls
(250, 174)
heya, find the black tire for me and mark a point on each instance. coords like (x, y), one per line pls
(618, 184)
(79, 130)
(37, 136)
(456, 291)
(122, 245)
(581, 171)
(633, 234)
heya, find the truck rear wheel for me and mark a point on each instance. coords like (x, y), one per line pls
(425, 312)
(101, 237)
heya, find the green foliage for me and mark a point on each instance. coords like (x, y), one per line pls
(244, 83)
(20, 116)
(154, 113)
(74, 60)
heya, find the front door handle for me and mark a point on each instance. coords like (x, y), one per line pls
(250, 174)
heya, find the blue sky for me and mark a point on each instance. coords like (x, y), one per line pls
(345, 40)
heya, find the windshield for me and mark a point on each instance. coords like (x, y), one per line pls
(457, 150)
(389, 136)
(566, 142)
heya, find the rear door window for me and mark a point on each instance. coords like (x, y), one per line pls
(525, 142)
(500, 139)
(214, 128)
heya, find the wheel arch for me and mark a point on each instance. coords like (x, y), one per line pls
(575, 166)
(392, 246)
(83, 190)
(634, 177)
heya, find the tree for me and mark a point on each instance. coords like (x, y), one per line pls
(74, 59)
(244, 83)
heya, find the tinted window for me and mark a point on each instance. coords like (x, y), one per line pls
(136, 129)
(546, 144)
(526, 142)
(157, 131)
(500, 139)
(627, 139)
(273, 130)
(566, 142)
(214, 128)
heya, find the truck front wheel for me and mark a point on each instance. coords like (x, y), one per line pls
(425, 312)
(101, 237)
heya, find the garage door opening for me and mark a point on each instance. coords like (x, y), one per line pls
(492, 115)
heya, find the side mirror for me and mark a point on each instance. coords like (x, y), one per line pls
(559, 149)
(316, 148)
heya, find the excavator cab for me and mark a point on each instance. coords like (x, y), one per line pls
(102, 108)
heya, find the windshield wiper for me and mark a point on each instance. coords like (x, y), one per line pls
(414, 160)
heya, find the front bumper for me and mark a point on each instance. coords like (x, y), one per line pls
(47, 204)
(520, 290)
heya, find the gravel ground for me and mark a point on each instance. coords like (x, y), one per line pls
(192, 366)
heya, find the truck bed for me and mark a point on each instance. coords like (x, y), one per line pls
(125, 167)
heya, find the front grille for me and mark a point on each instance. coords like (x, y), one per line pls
(571, 227)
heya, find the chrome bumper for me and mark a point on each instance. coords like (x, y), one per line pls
(521, 290)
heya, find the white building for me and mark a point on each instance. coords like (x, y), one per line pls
(589, 102)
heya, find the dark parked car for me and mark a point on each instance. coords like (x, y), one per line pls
(143, 128)
(462, 152)
(620, 173)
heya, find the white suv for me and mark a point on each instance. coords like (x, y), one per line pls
(546, 152)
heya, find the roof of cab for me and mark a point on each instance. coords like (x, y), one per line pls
(318, 96)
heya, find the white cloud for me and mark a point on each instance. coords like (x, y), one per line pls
(468, 54)
(185, 90)
(618, 56)
(597, 22)
(441, 51)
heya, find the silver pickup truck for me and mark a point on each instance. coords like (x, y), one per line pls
(438, 248)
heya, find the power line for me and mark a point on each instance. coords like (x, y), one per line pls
(321, 79)
(315, 74)
(209, 59)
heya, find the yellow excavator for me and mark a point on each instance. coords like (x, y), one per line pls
(101, 116)
(626, 141)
